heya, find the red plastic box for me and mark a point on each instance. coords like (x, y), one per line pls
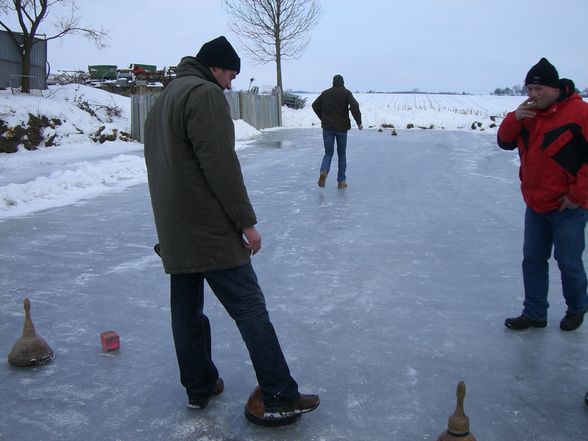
(110, 341)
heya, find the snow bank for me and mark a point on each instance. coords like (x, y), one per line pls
(82, 180)
(244, 134)
(77, 167)
(76, 112)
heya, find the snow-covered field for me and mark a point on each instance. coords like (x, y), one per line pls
(79, 168)
(436, 111)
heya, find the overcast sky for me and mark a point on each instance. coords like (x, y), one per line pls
(385, 45)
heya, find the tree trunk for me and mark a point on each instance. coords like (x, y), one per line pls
(25, 81)
(279, 73)
(279, 65)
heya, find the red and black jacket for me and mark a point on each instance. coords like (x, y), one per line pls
(553, 149)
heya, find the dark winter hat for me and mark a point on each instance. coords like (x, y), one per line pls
(338, 80)
(219, 53)
(543, 73)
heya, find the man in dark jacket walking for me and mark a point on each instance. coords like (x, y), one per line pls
(206, 229)
(332, 107)
(550, 130)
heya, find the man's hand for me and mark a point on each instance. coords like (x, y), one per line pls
(360, 127)
(566, 204)
(525, 110)
(252, 240)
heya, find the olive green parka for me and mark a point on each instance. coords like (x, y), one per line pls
(200, 203)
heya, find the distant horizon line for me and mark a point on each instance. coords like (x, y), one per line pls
(401, 92)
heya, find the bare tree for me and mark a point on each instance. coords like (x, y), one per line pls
(273, 30)
(30, 14)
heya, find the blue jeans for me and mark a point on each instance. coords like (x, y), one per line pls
(329, 137)
(239, 292)
(564, 232)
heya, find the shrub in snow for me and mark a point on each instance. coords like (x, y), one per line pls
(102, 112)
(102, 135)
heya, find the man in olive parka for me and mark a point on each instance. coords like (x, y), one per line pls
(206, 229)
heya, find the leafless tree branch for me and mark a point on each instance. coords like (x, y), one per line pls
(30, 14)
(272, 30)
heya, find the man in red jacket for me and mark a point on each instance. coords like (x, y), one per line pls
(550, 130)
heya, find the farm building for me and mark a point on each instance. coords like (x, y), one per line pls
(11, 63)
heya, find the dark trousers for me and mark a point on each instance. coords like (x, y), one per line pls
(564, 233)
(239, 292)
(329, 137)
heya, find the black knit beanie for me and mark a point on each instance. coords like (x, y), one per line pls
(338, 80)
(219, 53)
(543, 73)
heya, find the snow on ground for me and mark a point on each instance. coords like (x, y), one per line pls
(450, 112)
(77, 111)
(79, 168)
(76, 168)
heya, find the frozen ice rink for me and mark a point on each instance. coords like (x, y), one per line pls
(384, 296)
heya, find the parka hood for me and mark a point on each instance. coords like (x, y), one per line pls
(191, 66)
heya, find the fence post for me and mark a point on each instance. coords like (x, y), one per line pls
(140, 106)
(241, 106)
(279, 101)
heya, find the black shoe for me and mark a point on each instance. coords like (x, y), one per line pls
(586, 398)
(304, 403)
(523, 322)
(571, 321)
(201, 403)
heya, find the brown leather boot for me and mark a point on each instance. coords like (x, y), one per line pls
(322, 179)
(304, 403)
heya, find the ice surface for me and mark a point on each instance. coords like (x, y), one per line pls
(384, 296)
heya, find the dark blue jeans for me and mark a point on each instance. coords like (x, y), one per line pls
(239, 292)
(564, 232)
(329, 138)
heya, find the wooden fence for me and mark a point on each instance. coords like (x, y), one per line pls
(259, 111)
